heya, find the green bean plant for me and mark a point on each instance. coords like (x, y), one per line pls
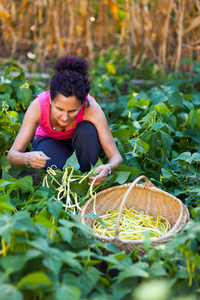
(46, 253)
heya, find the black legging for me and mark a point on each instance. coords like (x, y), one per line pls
(85, 141)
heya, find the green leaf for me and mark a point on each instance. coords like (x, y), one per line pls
(55, 208)
(18, 80)
(185, 156)
(162, 108)
(54, 261)
(6, 88)
(5, 205)
(132, 271)
(95, 217)
(194, 119)
(9, 292)
(34, 280)
(14, 116)
(83, 228)
(22, 221)
(41, 219)
(72, 161)
(26, 184)
(15, 263)
(88, 280)
(149, 117)
(167, 142)
(158, 96)
(176, 99)
(122, 134)
(195, 157)
(70, 258)
(5, 135)
(142, 146)
(142, 103)
(40, 244)
(123, 288)
(157, 126)
(147, 244)
(157, 269)
(25, 94)
(122, 176)
(66, 234)
(166, 173)
(69, 291)
(134, 172)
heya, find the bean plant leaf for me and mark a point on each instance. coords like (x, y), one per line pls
(6, 88)
(41, 219)
(25, 94)
(158, 96)
(8, 291)
(95, 217)
(148, 118)
(5, 135)
(122, 176)
(162, 108)
(157, 126)
(26, 184)
(132, 271)
(67, 234)
(122, 134)
(166, 173)
(195, 157)
(34, 280)
(157, 269)
(194, 119)
(23, 222)
(176, 99)
(122, 288)
(18, 80)
(14, 263)
(53, 261)
(72, 292)
(55, 208)
(85, 230)
(134, 172)
(166, 142)
(88, 280)
(72, 161)
(185, 156)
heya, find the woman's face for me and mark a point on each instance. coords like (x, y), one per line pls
(65, 109)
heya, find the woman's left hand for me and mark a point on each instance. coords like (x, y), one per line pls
(103, 171)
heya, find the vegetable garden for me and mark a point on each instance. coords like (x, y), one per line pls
(46, 253)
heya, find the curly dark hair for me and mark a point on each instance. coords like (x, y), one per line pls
(70, 78)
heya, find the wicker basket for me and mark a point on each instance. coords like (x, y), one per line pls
(143, 197)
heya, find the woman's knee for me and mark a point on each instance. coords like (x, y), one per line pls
(85, 128)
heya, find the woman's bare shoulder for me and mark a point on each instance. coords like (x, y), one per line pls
(94, 112)
(93, 105)
(33, 111)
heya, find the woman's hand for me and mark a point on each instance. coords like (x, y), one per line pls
(103, 171)
(36, 159)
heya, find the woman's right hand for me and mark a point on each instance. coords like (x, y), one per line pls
(36, 159)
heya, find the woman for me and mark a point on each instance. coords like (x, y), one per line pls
(65, 120)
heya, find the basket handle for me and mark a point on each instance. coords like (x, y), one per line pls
(133, 184)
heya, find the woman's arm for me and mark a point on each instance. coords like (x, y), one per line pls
(17, 155)
(95, 115)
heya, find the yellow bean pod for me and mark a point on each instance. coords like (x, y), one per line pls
(133, 225)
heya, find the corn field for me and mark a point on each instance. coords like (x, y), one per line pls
(164, 31)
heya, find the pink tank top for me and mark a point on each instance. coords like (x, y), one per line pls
(44, 128)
